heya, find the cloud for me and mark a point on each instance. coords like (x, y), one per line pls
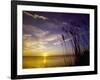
(61, 41)
(27, 35)
(39, 17)
(36, 31)
(53, 37)
(36, 16)
(65, 23)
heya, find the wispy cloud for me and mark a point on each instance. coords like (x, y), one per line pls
(53, 37)
(65, 23)
(33, 30)
(36, 16)
(59, 42)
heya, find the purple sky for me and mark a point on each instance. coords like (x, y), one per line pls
(50, 26)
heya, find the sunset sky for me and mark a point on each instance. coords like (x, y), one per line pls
(42, 32)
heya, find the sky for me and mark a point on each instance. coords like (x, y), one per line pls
(50, 32)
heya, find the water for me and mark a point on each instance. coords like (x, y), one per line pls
(48, 61)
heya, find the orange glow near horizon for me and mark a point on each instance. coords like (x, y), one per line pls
(37, 53)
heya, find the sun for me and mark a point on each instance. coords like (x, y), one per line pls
(44, 54)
